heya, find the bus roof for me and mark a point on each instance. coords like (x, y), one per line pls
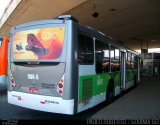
(60, 20)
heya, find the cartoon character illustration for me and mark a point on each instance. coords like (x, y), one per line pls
(35, 45)
(19, 46)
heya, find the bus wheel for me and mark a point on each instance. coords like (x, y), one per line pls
(110, 93)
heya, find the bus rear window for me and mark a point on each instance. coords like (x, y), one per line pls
(38, 44)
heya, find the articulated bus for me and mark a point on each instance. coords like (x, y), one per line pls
(3, 59)
(62, 66)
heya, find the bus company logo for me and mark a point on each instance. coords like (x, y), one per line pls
(99, 81)
(18, 97)
(49, 102)
(33, 76)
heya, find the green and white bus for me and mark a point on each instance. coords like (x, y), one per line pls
(61, 66)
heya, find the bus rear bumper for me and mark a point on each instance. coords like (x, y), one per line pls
(41, 103)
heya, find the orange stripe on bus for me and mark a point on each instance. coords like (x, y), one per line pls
(4, 56)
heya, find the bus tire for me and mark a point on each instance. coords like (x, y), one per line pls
(110, 93)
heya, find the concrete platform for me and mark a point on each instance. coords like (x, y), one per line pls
(142, 102)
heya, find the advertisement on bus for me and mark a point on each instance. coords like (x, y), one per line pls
(38, 44)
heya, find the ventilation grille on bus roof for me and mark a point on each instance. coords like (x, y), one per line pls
(67, 17)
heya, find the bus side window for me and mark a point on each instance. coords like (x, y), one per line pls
(85, 50)
(135, 62)
(128, 61)
(106, 64)
(99, 56)
(132, 61)
(102, 57)
(115, 61)
(112, 56)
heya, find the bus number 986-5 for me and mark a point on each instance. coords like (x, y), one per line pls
(33, 76)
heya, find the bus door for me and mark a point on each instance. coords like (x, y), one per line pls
(123, 68)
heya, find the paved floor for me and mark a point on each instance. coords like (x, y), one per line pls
(142, 102)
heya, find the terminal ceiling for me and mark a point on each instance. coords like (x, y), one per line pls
(131, 22)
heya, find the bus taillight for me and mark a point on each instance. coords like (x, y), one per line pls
(12, 81)
(61, 81)
(60, 85)
(60, 92)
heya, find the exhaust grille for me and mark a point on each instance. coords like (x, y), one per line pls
(87, 88)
